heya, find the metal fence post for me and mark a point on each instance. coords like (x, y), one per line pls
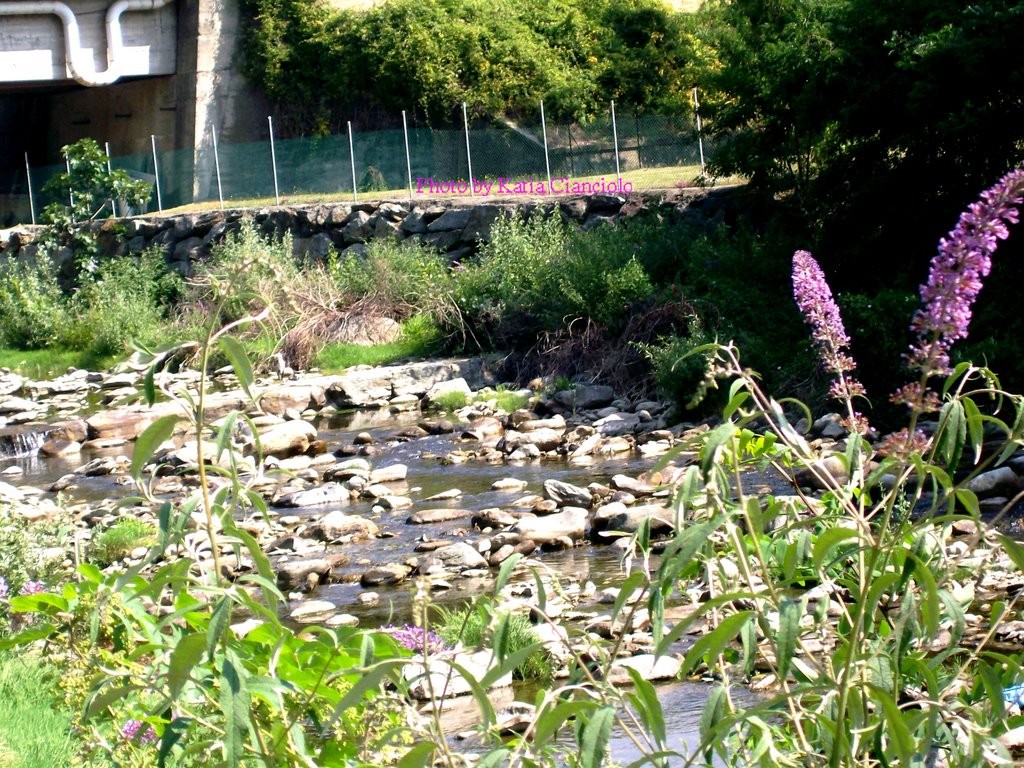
(156, 174)
(31, 202)
(469, 157)
(113, 204)
(700, 139)
(408, 161)
(352, 159)
(615, 138)
(216, 165)
(544, 131)
(273, 159)
(71, 192)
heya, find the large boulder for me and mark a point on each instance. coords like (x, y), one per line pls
(571, 522)
(585, 397)
(287, 438)
(337, 526)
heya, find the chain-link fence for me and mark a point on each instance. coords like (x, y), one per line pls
(617, 153)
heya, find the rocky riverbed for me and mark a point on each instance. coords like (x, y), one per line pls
(376, 497)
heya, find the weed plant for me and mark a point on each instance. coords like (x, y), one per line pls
(474, 628)
(120, 539)
(33, 732)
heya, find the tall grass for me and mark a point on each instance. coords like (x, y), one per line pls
(35, 730)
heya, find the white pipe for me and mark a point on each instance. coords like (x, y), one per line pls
(83, 70)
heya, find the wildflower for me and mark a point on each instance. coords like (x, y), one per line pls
(32, 588)
(5, 588)
(130, 732)
(956, 272)
(413, 638)
(814, 299)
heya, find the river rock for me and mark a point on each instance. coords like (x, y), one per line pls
(483, 428)
(995, 482)
(440, 515)
(651, 668)
(585, 397)
(571, 522)
(617, 424)
(619, 517)
(444, 388)
(446, 676)
(394, 503)
(509, 484)
(813, 475)
(633, 485)
(312, 611)
(328, 493)
(287, 438)
(60, 447)
(336, 526)
(556, 422)
(566, 494)
(388, 573)
(542, 439)
(294, 573)
(458, 557)
(493, 517)
(395, 473)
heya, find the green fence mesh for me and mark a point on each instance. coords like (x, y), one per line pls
(652, 151)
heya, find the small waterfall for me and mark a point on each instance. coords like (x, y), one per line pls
(17, 442)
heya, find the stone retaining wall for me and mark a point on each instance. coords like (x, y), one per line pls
(453, 227)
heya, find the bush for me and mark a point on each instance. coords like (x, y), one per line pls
(124, 300)
(120, 539)
(33, 309)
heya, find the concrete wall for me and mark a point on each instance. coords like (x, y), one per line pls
(32, 47)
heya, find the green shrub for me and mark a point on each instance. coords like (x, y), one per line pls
(120, 539)
(474, 628)
(124, 300)
(33, 309)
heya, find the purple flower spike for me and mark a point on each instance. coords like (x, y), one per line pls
(32, 588)
(412, 638)
(954, 279)
(130, 732)
(814, 299)
(5, 588)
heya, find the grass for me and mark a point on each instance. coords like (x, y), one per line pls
(35, 730)
(642, 179)
(420, 339)
(120, 539)
(471, 628)
(49, 363)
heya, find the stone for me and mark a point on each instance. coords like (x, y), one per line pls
(458, 557)
(617, 424)
(571, 522)
(996, 482)
(446, 675)
(620, 518)
(816, 475)
(633, 485)
(312, 611)
(394, 473)
(328, 493)
(287, 438)
(541, 439)
(651, 668)
(60, 448)
(389, 573)
(335, 526)
(585, 397)
(509, 484)
(494, 518)
(452, 219)
(394, 503)
(440, 515)
(294, 573)
(566, 494)
(445, 388)
(366, 330)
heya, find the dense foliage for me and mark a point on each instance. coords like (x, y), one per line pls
(323, 66)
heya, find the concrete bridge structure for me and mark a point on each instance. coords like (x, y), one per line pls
(119, 71)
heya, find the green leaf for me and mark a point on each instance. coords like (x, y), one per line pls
(239, 360)
(594, 741)
(218, 626)
(1014, 550)
(975, 427)
(717, 438)
(173, 732)
(493, 759)
(645, 700)
(103, 698)
(151, 439)
(790, 613)
(186, 654)
(550, 720)
(827, 540)
(368, 679)
(234, 703)
(227, 427)
(899, 733)
(711, 716)
(710, 645)
(419, 756)
(149, 385)
(953, 434)
(506, 571)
